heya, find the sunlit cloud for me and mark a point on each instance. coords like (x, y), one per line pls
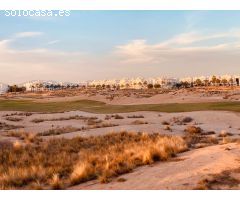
(28, 34)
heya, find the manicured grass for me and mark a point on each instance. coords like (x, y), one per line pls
(100, 107)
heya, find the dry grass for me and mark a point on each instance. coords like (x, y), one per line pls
(139, 122)
(116, 116)
(18, 114)
(135, 116)
(224, 133)
(181, 120)
(38, 120)
(101, 125)
(224, 180)
(14, 119)
(165, 123)
(195, 137)
(60, 130)
(75, 117)
(167, 128)
(5, 126)
(91, 122)
(55, 182)
(24, 136)
(193, 130)
(58, 163)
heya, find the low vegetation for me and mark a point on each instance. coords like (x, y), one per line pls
(59, 163)
(181, 120)
(139, 122)
(135, 116)
(100, 107)
(5, 126)
(27, 114)
(75, 117)
(24, 136)
(116, 116)
(165, 123)
(195, 137)
(60, 130)
(101, 125)
(224, 180)
(14, 119)
(224, 133)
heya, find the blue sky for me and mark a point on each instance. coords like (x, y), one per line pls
(113, 44)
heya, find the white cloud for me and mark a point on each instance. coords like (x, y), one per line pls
(140, 51)
(28, 34)
(53, 42)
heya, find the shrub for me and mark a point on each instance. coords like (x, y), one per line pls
(14, 119)
(193, 130)
(139, 122)
(136, 116)
(60, 130)
(165, 123)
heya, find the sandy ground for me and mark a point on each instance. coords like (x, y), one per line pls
(184, 173)
(207, 120)
(130, 97)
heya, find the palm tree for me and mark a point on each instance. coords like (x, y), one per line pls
(214, 78)
(224, 81)
(198, 82)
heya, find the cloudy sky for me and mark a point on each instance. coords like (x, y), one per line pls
(112, 44)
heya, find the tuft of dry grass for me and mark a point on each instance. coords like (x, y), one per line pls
(91, 122)
(18, 114)
(14, 119)
(101, 125)
(58, 163)
(117, 116)
(224, 133)
(75, 117)
(139, 122)
(37, 120)
(193, 130)
(165, 123)
(5, 126)
(224, 180)
(60, 130)
(167, 127)
(25, 136)
(55, 182)
(135, 116)
(181, 120)
(195, 137)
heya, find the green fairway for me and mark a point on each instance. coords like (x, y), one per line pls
(100, 107)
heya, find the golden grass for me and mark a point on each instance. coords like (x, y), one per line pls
(25, 136)
(59, 163)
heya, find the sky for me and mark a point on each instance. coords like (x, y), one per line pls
(90, 45)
